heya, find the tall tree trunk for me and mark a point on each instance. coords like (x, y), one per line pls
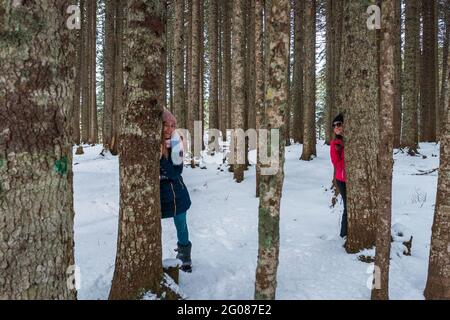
(309, 112)
(259, 79)
(438, 282)
(410, 130)
(171, 76)
(359, 100)
(419, 70)
(93, 124)
(166, 40)
(214, 74)
(36, 179)
(247, 77)
(170, 17)
(118, 77)
(423, 114)
(194, 107)
(330, 68)
(238, 85)
(445, 65)
(227, 60)
(248, 44)
(271, 185)
(85, 74)
(299, 8)
(77, 86)
(287, 113)
(138, 267)
(385, 159)
(398, 74)
(188, 77)
(338, 18)
(109, 68)
(178, 60)
(201, 76)
(221, 100)
(429, 83)
(251, 124)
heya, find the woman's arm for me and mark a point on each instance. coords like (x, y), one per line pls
(169, 170)
(336, 152)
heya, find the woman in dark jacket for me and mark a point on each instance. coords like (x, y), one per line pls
(338, 160)
(175, 200)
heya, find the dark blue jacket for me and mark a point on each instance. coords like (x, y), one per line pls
(173, 192)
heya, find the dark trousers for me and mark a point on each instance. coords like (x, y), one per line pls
(343, 192)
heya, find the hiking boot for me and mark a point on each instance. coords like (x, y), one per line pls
(184, 254)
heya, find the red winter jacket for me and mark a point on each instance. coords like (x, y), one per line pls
(338, 159)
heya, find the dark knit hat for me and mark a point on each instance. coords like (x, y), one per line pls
(339, 118)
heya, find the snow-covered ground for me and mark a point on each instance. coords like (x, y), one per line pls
(223, 229)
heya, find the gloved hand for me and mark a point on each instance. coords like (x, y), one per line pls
(176, 144)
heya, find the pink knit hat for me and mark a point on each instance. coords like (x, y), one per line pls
(168, 117)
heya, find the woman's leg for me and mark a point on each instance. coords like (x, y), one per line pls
(182, 229)
(184, 245)
(343, 192)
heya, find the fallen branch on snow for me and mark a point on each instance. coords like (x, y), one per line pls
(425, 172)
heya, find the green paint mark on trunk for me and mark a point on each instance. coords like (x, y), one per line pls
(61, 166)
(270, 229)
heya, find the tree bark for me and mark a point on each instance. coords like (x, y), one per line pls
(85, 74)
(338, 18)
(359, 101)
(178, 60)
(287, 113)
(214, 74)
(251, 124)
(222, 93)
(77, 85)
(118, 77)
(429, 83)
(410, 130)
(238, 84)
(271, 185)
(170, 20)
(93, 123)
(309, 112)
(445, 65)
(259, 79)
(385, 154)
(201, 76)
(330, 68)
(298, 72)
(438, 282)
(227, 61)
(109, 68)
(138, 267)
(194, 86)
(398, 74)
(188, 78)
(37, 55)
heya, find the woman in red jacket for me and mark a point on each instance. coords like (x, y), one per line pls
(338, 160)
